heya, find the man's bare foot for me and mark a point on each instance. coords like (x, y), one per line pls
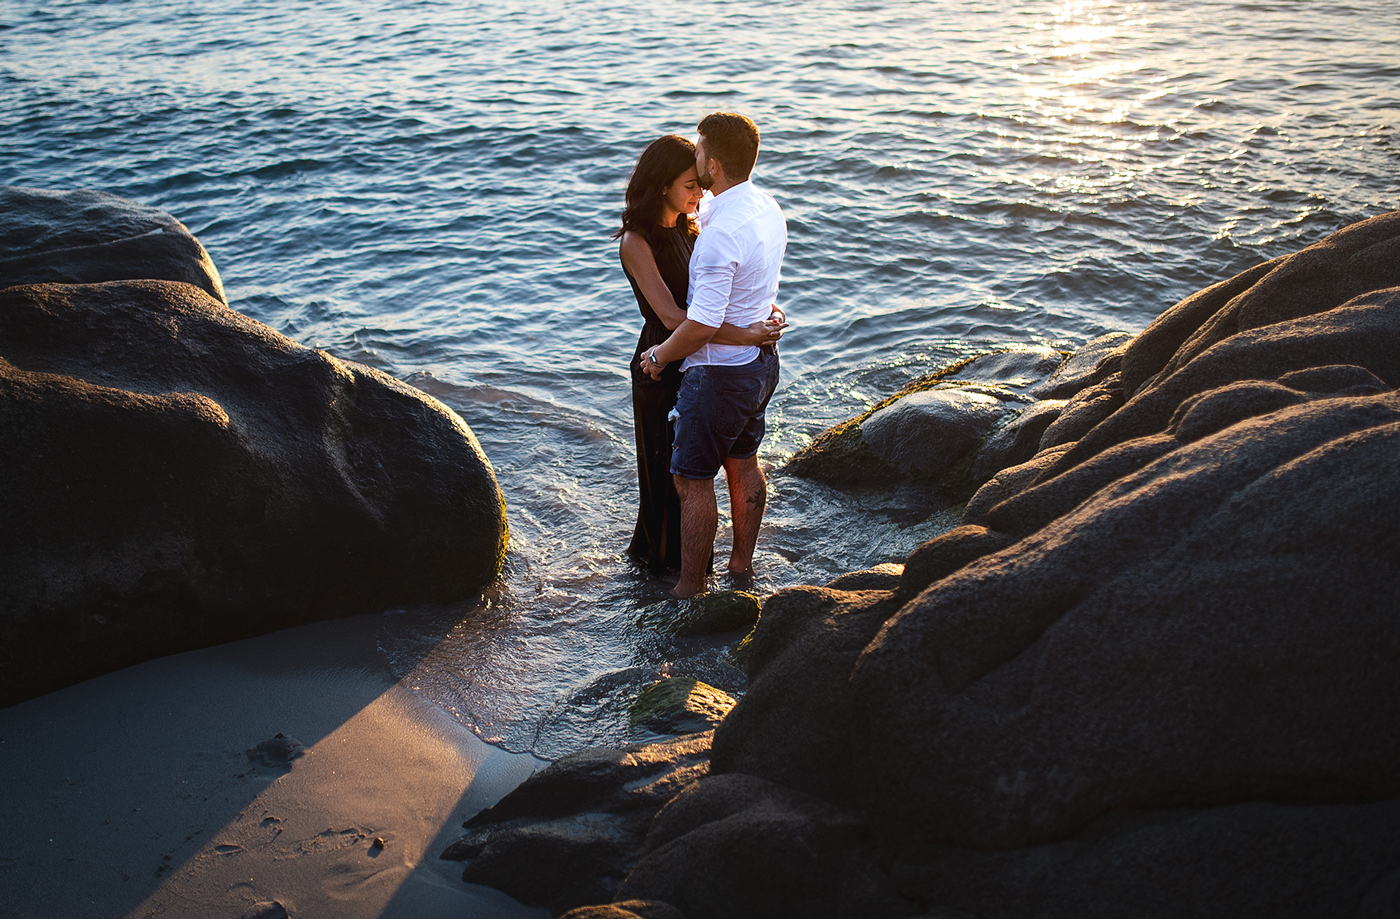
(686, 591)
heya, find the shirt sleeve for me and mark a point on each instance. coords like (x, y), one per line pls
(712, 268)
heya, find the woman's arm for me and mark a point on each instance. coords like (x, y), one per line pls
(640, 262)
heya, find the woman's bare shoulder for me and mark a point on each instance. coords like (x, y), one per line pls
(634, 247)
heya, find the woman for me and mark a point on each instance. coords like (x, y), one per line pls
(657, 236)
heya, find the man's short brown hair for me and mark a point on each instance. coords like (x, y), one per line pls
(732, 139)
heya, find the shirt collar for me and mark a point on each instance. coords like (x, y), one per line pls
(712, 205)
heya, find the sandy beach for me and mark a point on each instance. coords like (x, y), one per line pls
(135, 795)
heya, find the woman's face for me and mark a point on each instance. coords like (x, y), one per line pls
(683, 195)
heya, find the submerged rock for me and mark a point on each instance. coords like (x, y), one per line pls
(680, 705)
(174, 474)
(708, 614)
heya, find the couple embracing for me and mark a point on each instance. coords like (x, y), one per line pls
(706, 362)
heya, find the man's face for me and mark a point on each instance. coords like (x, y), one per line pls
(702, 160)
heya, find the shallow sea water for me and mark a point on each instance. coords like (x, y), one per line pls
(428, 187)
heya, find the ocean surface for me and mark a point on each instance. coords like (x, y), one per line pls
(429, 187)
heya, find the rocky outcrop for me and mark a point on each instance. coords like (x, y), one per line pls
(567, 836)
(745, 848)
(930, 432)
(1152, 673)
(174, 474)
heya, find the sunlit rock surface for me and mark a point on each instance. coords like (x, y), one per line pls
(626, 909)
(679, 705)
(174, 474)
(1153, 672)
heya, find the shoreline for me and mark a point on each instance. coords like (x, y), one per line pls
(133, 794)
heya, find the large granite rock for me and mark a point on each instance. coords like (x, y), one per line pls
(174, 474)
(1153, 673)
(791, 726)
(1217, 626)
(1284, 861)
(1089, 364)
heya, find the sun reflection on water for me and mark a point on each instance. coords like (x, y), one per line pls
(1084, 84)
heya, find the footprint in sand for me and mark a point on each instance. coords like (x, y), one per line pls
(276, 752)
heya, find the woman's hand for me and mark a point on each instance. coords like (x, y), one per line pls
(768, 331)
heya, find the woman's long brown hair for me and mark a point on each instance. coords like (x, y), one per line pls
(661, 163)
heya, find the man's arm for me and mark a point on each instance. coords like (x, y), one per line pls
(712, 267)
(640, 262)
(688, 338)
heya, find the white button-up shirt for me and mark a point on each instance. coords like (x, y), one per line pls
(734, 268)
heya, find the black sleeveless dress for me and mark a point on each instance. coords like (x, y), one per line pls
(656, 541)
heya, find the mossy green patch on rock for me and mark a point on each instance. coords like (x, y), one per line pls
(739, 654)
(837, 454)
(708, 614)
(680, 705)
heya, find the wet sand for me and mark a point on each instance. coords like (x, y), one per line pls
(134, 794)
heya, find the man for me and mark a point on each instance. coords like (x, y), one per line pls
(726, 388)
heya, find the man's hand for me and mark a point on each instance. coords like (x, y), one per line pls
(649, 366)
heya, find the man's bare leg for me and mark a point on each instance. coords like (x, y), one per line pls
(748, 495)
(699, 522)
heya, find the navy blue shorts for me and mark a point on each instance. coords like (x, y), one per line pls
(719, 414)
